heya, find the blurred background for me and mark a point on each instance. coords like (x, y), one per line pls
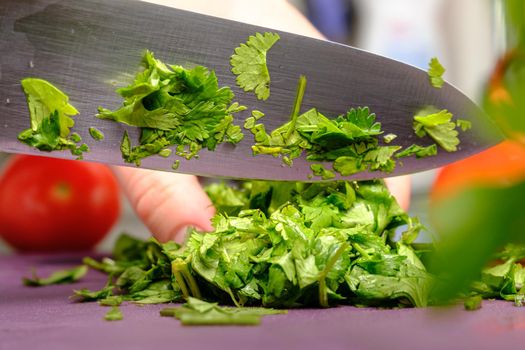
(465, 35)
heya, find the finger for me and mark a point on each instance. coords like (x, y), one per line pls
(167, 203)
(276, 14)
(400, 189)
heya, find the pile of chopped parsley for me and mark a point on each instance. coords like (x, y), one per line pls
(286, 245)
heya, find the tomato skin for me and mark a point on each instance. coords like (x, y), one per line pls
(500, 166)
(51, 204)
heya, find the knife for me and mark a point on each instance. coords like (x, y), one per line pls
(87, 48)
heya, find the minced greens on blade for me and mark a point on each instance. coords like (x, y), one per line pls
(96, 134)
(350, 142)
(249, 64)
(438, 125)
(51, 120)
(173, 105)
(435, 73)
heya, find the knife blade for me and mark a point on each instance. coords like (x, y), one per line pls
(87, 48)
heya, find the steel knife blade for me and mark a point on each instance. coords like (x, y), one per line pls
(88, 48)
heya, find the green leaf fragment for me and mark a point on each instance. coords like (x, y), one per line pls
(199, 312)
(249, 64)
(51, 120)
(114, 314)
(173, 105)
(388, 138)
(320, 170)
(57, 277)
(165, 153)
(464, 125)
(472, 303)
(96, 134)
(435, 73)
(439, 126)
(418, 151)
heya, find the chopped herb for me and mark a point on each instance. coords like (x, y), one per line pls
(114, 314)
(388, 138)
(75, 137)
(249, 64)
(350, 141)
(418, 151)
(435, 73)
(199, 312)
(57, 277)
(464, 125)
(320, 170)
(165, 153)
(176, 165)
(439, 126)
(175, 106)
(114, 300)
(279, 245)
(51, 120)
(473, 303)
(96, 134)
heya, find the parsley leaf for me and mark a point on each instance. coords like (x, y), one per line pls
(418, 151)
(57, 277)
(249, 64)
(435, 73)
(473, 303)
(439, 126)
(199, 312)
(350, 142)
(51, 120)
(96, 134)
(173, 105)
(114, 314)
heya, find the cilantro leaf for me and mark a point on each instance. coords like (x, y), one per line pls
(96, 134)
(199, 312)
(473, 303)
(114, 314)
(249, 64)
(350, 142)
(175, 106)
(51, 120)
(439, 126)
(57, 277)
(435, 73)
(418, 151)
(320, 170)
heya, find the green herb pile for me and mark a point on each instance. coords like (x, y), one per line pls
(173, 105)
(279, 245)
(288, 245)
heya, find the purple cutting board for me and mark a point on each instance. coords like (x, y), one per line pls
(44, 318)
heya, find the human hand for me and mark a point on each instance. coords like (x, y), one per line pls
(169, 203)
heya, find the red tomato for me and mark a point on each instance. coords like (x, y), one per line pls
(56, 205)
(502, 165)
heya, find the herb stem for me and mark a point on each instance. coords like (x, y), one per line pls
(323, 297)
(361, 251)
(301, 88)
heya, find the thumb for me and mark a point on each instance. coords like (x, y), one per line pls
(167, 203)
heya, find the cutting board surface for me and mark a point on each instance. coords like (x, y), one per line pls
(44, 318)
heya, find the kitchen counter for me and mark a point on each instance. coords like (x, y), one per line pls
(44, 318)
